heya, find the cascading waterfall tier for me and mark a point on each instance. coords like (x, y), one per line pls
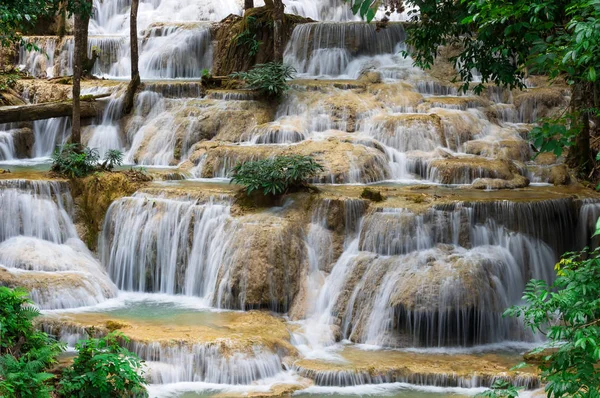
(40, 250)
(188, 362)
(198, 249)
(412, 279)
(166, 52)
(341, 49)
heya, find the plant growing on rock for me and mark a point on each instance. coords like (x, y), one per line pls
(104, 369)
(69, 161)
(113, 158)
(277, 175)
(72, 162)
(25, 353)
(269, 79)
(248, 38)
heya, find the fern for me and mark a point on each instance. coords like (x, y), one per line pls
(25, 353)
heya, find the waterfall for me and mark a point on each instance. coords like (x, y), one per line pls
(411, 279)
(340, 49)
(48, 134)
(152, 259)
(39, 63)
(168, 52)
(106, 135)
(7, 146)
(35, 208)
(40, 250)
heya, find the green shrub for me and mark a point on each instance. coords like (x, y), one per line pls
(25, 353)
(269, 79)
(71, 162)
(112, 159)
(275, 176)
(104, 369)
(26, 375)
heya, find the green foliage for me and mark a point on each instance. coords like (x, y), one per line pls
(206, 73)
(555, 134)
(248, 38)
(501, 389)
(269, 79)
(104, 369)
(8, 80)
(113, 158)
(366, 8)
(17, 16)
(501, 40)
(568, 313)
(26, 375)
(275, 176)
(25, 353)
(72, 162)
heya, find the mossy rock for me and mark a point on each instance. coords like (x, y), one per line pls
(372, 195)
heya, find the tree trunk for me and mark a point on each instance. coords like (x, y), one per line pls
(80, 52)
(88, 107)
(135, 72)
(248, 4)
(580, 155)
(61, 29)
(278, 31)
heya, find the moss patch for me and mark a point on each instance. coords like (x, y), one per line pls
(94, 194)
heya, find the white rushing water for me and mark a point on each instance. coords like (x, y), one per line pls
(411, 279)
(162, 246)
(39, 247)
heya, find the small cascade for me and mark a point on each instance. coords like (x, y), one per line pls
(168, 52)
(175, 89)
(589, 213)
(38, 209)
(161, 130)
(197, 249)
(153, 259)
(165, 52)
(40, 249)
(283, 131)
(342, 49)
(106, 135)
(48, 134)
(207, 363)
(361, 377)
(36, 63)
(111, 17)
(178, 363)
(322, 291)
(7, 146)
